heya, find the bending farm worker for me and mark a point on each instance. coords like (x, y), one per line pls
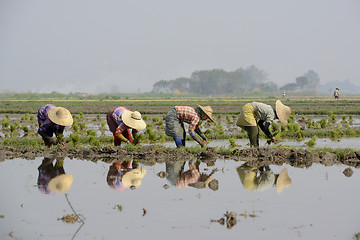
(179, 115)
(52, 120)
(254, 115)
(120, 120)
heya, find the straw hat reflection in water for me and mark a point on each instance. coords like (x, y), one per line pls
(61, 183)
(133, 178)
(60, 116)
(283, 181)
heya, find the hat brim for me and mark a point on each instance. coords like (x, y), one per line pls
(63, 120)
(133, 176)
(282, 112)
(283, 181)
(133, 123)
(61, 183)
(208, 114)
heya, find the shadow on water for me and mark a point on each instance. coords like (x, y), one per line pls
(77, 199)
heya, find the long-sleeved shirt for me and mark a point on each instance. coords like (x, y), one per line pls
(190, 176)
(117, 116)
(188, 115)
(265, 115)
(46, 126)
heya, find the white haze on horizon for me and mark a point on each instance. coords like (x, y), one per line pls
(123, 46)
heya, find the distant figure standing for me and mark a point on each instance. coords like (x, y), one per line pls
(336, 93)
(283, 94)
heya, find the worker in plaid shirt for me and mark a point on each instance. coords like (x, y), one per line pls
(179, 115)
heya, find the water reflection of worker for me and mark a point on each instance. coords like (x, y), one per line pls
(120, 120)
(122, 177)
(52, 177)
(262, 178)
(190, 178)
(52, 119)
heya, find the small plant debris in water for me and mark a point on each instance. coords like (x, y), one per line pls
(144, 212)
(118, 207)
(162, 174)
(69, 218)
(229, 219)
(348, 172)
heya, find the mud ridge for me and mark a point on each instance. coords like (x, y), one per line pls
(149, 155)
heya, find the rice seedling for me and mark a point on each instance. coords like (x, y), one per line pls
(83, 126)
(312, 141)
(26, 130)
(228, 118)
(219, 129)
(291, 118)
(75, 127)
(155, 119)
(12, 129)
(5, 123)
(16, 123)
(75, 139)
(323, 123)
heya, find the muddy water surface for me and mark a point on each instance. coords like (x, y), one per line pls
(315, 203)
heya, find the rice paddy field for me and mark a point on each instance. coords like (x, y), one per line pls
(318, 151)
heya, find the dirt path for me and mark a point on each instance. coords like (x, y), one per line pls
(149, 155)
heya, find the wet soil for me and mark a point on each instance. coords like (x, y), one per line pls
(151, 154)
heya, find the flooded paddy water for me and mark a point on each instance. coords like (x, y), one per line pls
(319, 201)
(314, 203)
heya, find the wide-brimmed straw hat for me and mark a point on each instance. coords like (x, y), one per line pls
(133, 177)
(208, 111)
(283, 181)
(61, 183)
(133, 120)
(282, 112)
(60, 116)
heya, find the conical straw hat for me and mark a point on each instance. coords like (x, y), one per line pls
(61, 183)
(133, 120)
(283, 181)
(60, 116)
(208, 111)
(133, 177)
(282, 112)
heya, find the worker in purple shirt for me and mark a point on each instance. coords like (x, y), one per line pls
(52, 120)
(120, 121)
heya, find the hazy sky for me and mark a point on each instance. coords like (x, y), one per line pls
(96, 45)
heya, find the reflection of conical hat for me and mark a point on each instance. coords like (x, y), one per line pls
(283, 181)
(60, 116)
(247, 176)
(133, 177)
(133, 120)
(282, 112)
(208, 111)
(61, 183)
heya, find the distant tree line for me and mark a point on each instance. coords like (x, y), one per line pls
(218, 82)
(308, 82)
